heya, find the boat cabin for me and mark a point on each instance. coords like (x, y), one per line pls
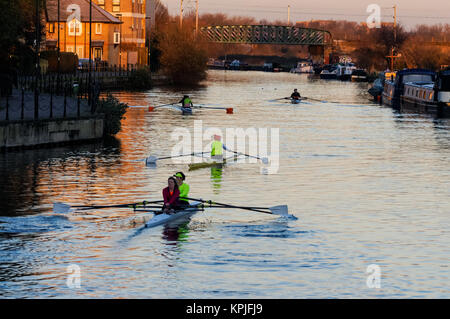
(394, 88)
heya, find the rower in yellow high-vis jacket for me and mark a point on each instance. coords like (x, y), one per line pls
(183, 188)
(217, 147)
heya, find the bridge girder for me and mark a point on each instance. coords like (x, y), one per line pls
(266, 34)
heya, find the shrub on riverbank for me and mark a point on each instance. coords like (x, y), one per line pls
(140, 79)
(183, 57)
(114, 112)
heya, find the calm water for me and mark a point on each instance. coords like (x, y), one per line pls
(368, 186)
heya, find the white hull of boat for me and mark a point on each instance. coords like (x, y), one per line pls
(163, 219)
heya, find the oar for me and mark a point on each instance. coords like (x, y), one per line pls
(152, 159)
(64, 208)
(287, 98)
(151, 108)
(281, 210)
(228, 109)
(265, 160)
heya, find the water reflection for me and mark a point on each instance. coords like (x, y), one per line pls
(368, 185)
(216, 179)
(27, 175)
(173, 234)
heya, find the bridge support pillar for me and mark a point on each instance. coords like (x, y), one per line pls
(316, 52)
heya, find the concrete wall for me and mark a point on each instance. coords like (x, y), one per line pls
(42, 132)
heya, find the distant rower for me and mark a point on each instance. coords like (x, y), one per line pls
(295, 95)
(186, 101)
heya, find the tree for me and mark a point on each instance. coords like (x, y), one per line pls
(183, 57)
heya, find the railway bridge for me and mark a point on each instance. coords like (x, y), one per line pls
(316, 40)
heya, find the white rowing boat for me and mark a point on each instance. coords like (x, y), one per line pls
(184, 110)
(163, 219)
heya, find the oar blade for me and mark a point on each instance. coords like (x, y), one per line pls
(281, 210)
(265, 160)
(61, 208)
(151, 160)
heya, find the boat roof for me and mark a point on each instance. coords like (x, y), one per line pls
(425, 85)
(415, 71)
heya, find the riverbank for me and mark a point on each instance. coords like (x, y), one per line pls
(28, 120)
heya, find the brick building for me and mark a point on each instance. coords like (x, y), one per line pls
(132, 30)
(118, 29)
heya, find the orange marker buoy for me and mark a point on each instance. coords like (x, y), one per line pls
(229, 110)
(151, 108)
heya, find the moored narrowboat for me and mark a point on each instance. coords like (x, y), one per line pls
(442, 92)
(428, 97)
(394, 88)
(419, 97)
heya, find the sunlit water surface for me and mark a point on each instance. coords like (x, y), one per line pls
(368, 186)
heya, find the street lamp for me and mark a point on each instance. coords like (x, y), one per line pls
(90, 62)
(75, 31)
(59, 48)
(38, 70)
(119, 15)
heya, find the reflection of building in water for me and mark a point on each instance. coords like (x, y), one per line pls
(216, 178)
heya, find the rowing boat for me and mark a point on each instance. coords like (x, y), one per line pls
(164, 218)
(184, 110)
(215, 161)
(295, 101)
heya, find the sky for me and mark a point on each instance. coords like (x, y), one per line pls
(409, 12)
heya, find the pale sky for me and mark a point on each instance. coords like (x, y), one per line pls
(409, 12)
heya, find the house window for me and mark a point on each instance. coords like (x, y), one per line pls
(75, 27)
(80, 51)
(51, 28)
(116, 37)
(98, 28)
(98, 53)
(116, 6)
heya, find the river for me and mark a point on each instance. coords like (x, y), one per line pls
(369, 186)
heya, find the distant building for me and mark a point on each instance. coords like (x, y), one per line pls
(118, 30)
(132, 32)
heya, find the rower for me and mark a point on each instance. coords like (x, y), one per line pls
(216, 148)
(186, 102)
(171, 195)
(183, 187)
(295, 95)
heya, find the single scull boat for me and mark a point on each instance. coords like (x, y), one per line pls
(216, 161)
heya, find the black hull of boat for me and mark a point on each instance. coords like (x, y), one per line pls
(344, 77)
(410, 105)
(328, 76)
(392, 102)
(359, 80)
